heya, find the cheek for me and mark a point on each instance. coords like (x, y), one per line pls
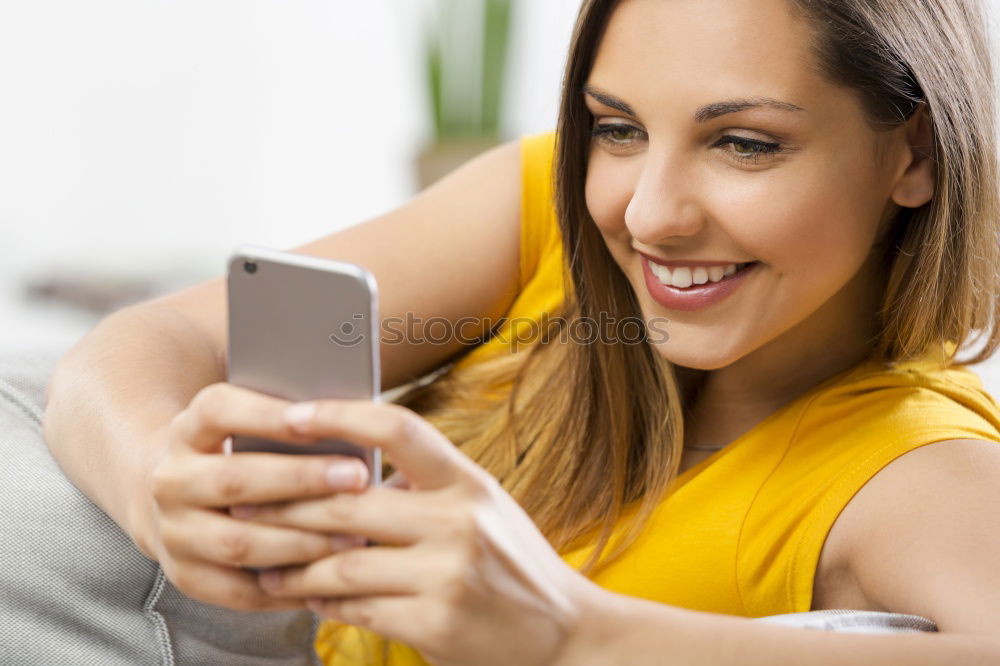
(608, 191)
(803, 220)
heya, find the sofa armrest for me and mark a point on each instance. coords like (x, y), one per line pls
(854, 621)
(74, 588)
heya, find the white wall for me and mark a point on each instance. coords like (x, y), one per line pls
(138, 125)
(135, 125)
(151, 136)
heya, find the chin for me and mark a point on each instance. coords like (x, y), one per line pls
(696, 355)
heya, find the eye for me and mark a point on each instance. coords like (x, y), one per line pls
(616, 135)
(748, 151)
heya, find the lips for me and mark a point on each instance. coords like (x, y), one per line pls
(681, 292)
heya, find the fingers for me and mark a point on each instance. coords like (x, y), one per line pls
(415, 447)
(388, 515)
(396, 617)
(397, 480)
(213, 537)
(221, 409)
(224, 586)
(354, 572)
(252, 478)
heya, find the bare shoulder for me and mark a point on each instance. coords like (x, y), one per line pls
(923, 536)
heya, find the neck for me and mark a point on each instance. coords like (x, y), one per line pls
(722, 404)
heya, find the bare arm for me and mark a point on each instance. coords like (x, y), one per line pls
(637, 631)
(450, 252)
(112, 395)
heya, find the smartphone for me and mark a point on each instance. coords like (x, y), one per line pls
(303, 328)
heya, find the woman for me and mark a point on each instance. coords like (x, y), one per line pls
(829, 165)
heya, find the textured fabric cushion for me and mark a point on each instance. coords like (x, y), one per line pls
(855, 622)
(73, 587)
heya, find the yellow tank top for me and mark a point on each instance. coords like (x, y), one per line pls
(741, 532)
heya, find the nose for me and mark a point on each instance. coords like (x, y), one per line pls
(663, 204)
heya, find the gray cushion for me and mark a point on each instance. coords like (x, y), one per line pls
(73, 587)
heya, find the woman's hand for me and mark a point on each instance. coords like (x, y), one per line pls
(200, 546)
(463, 576)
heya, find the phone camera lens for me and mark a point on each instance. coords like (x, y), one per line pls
(250, 266)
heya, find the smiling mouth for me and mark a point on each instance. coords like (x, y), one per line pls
(683, 277)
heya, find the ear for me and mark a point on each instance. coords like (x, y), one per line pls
(915, 185)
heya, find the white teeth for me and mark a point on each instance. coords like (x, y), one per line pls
(681, 277)
(684, 276)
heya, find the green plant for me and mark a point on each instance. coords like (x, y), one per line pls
(466, 54)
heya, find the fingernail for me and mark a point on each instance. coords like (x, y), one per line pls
(339, 542)
(344, 476)
(270, 579)
(300, 415)
(242, 510)
(314, 604)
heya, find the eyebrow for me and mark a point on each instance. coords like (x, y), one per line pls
(703, 114)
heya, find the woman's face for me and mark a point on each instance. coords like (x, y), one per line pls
(686, 173)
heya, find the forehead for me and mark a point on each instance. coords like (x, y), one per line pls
(655, 51)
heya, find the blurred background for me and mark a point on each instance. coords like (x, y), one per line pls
(141, 140)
